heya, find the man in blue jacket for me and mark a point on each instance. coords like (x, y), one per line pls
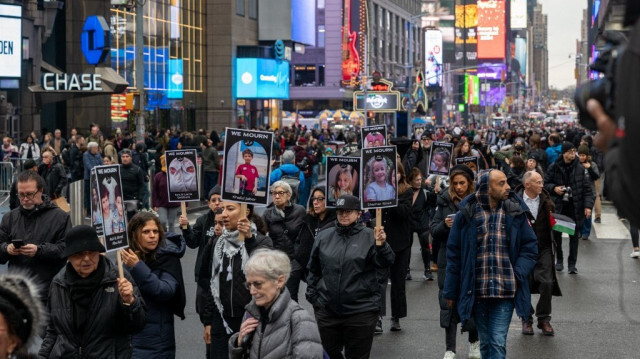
(290, 172)
(490, 252)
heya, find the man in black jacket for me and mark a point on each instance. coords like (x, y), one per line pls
(132, 177)
(53, 174)
(572, 195)
(32, 235)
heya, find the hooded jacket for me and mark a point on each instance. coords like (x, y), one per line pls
(45, 226)
(571, 175)
(162, 286)
(109, 329)
(459, 284)
(288, 169)
(342, 270)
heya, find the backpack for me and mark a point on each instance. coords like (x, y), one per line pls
(294, 182)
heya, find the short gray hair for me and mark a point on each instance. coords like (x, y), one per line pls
(288, 156)
(527, 176)
(282, 184)
(269, 263)
(92, 144)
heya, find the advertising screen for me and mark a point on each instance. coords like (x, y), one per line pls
(174, 79)
(518, 14)
(472, 89)
(494, 96)
(491, 71)
(491, 29)
(521, 58)
(10, 41)
(433, 58)
(466, 37)
(303, 21)
(262, 78)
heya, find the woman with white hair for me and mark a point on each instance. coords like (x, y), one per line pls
(274, 325)
(285, 220)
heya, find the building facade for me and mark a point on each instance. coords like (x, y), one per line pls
(540, 50)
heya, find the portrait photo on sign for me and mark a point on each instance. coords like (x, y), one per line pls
(473, 162)
(374, 136)
(379, 177)
(112, 205)
(182, 175)
(440, 160)
(247, 164)
(342, 178)
(417, 132)
(96, 212)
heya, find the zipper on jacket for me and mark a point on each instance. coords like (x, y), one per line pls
(231, 274)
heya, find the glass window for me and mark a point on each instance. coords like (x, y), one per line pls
(381, 18)
(388, 20)
(321, 32)
(321, 75)
(320, 4)
(375, 48)
(240, 7)
(304, 75)
(253, 9)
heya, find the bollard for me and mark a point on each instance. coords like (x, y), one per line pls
(75, 202)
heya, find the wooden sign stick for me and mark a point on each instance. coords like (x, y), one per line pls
(119, 258)
(243, 213)
(183, 208)
(378, 222)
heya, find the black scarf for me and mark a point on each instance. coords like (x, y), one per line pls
(171, 264)
(81, 291)
(29, 152)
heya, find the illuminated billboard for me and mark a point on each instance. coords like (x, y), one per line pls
(521, 59)
(471, 89)
(494, 96)
(175, 79)
(433, 58)
(518, 14)
(262, 78)
(491, 71)
(491, 29)
(466, 38)
(11, 40)
(293, 20)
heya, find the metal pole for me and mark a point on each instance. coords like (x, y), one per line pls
(365, 77)
(76, 203)
(139, 41)
(409, 119)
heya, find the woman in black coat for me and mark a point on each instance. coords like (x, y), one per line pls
(422, 201)
(461, 181)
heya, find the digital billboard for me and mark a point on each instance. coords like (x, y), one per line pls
(491, 71)
(433, 58)
(518, 14)
(521, 58)
(11, 41)
(293, 20)
(472, 89)
(491, 29)
(466, 37)
(174, 79)
(494, 96)
(262, 78)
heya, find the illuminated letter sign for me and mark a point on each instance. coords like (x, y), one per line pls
(95, 39)
(72, 82)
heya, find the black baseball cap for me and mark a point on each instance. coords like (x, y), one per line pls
(347, 201)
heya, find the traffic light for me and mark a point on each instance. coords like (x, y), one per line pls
(133, 101)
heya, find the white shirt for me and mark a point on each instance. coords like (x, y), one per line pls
(532, 203)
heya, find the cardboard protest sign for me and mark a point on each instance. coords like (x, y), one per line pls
(379, 177)
(374, 136)
(247, 165)
(440, 159)
(473, 162)
(182, 175)
(112, 205)
(343, 177)
(417, 132)
(96, 211)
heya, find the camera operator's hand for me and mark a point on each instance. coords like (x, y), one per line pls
(606, 125)
(559, 190)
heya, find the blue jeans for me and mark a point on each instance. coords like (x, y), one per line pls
(210, 181)
(493, 317)
(586, 227)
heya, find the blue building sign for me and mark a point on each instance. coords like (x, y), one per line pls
(262, 78)
(95, 39)
(174, 79)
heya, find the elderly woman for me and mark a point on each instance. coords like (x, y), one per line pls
(154, 263)
(275, 326)
(89, 282)
(222, 277)
(285, 220)
(342, 284)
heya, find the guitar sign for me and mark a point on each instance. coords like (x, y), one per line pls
(350, 57)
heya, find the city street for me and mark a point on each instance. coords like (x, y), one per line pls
(598, 316)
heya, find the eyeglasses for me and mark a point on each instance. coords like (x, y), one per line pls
(345, 212)
(317, 199)
(28, 195)
(278, 193)
(256, 285)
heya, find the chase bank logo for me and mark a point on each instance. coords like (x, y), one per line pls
(246, 78)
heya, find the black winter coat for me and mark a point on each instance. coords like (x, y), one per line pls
(109, 328)
(45, 226)
(312, 225)
(285, 232)
(132, 182)
(571, 175)
(233, 294)
(55, 178)
(342, 270)
(445, 207)
(77, 164)
(199, 235)
(420, 209)
(397, 222)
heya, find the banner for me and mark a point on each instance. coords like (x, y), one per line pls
(343, 177)
(114, 215)
(374, 136)
(518, 14)
(433, 58)
(491, 29)
(379, 177)
(182, 175)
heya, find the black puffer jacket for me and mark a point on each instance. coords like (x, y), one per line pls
(199, 235)
(45, 226)
(55, 177)
(397, 222)
(420, 209)
(109, 329)
(571, 175)
(285, 231)
(233, 294)
(342, 270)
(132, 181)
(445, 207)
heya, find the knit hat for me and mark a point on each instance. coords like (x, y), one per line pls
(583, 150)
(461, 170)
(567, 146)
(81, 238)
(302, 141)
(21, 306)
(215, 190)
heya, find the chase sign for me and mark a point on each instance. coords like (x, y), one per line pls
(95, 40)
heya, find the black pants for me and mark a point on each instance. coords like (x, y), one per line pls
(543, 276)
(425, 252)
(450, 337)
(574, 240)
(382, 274)
(293, 284)
(435, 249)
(353, 332)
(199, 305)
(397, 274)
(219, 336)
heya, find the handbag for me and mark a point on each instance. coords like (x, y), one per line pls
(61, 202)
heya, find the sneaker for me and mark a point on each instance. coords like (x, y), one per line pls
(597, 220)
(395, 324)
(427, 275)
(559, 267)
(408, 277)
(585, 238)
(635, 254)
(573, 270)
(474, 350)
(378, 329)
(449, 355)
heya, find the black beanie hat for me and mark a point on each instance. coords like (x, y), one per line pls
(567, 146)
(463, 170)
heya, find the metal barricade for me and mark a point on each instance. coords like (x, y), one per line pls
(6, 181)
(76, 191)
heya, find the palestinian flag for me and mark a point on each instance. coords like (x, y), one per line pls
(563, 224)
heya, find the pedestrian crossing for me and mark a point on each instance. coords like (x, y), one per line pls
(611, 227)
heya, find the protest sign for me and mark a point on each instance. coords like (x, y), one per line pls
(379, 177)
(440, 159)
(182, 175)
(473, 162)
(374, 136)
(109, 185)
(96, 212)
(343, 177)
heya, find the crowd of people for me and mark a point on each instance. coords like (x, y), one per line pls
(485, 234)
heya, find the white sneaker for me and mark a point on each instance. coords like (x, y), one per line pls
(449, 355)
(474, 350)
(635, 254)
